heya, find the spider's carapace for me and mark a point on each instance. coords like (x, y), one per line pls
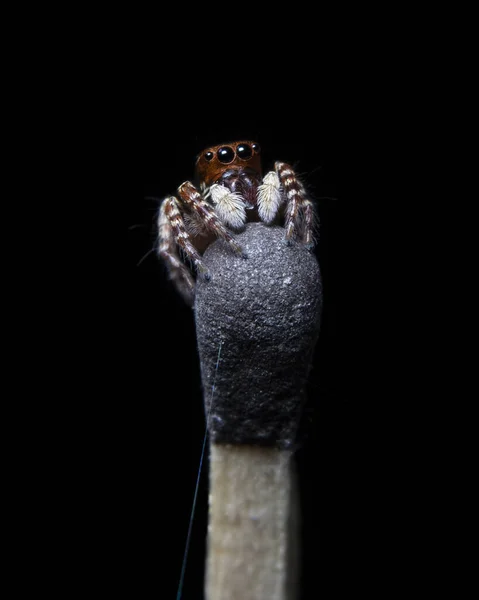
(236, 166)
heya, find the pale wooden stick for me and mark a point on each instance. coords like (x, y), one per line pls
(252, 533)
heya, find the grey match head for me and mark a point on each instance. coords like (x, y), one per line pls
(265, 312)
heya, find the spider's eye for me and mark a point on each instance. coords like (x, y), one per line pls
(226, 154)
(244, 151)
(209, 156)
(256, 148)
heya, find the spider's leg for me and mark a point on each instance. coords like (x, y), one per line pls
(171, 234)
(299, 214)
(269, 197)
(194, 201)
(309, 222)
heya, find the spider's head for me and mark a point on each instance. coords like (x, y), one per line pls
(214, 161)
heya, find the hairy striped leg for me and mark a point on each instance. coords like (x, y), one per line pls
(299, 214)
(171, 234)
(192, 198)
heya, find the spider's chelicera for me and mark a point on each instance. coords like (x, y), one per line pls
(231, 192)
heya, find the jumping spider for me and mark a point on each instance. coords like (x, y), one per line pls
(231, 192)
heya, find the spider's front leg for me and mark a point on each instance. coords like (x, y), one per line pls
(172, 233)
(299, 213)
(207, 216)
(282, 187)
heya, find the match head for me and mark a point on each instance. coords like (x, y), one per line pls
(264, 311)
(214, 161)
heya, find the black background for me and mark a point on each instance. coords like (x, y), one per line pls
(130, 396)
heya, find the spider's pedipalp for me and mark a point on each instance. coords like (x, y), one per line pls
(194, 201)
(269, 197)
(229, 206)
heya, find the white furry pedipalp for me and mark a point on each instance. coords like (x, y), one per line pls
(269, 197)
(229, 206)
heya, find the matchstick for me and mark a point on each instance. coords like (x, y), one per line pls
(257, 322)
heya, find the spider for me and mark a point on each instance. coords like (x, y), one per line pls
(231, 191)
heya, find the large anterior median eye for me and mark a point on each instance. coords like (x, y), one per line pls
(226, 154)
(244, 151)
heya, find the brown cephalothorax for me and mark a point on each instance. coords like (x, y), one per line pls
(232, 191)
(237, 156)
